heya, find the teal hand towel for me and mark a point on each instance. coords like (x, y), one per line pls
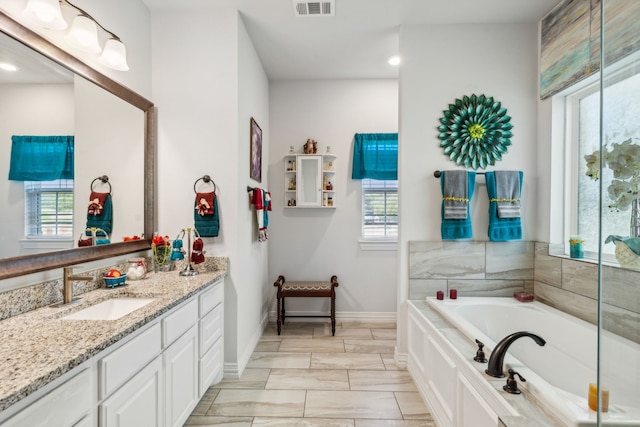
(100, 214)
(206, 218)
(457, 225)
(507, 226)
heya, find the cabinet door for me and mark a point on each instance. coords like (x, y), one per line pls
(181, 378)
(309, 185)
(138, 403)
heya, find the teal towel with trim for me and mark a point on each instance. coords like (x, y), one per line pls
(501, 229)
(104, 220)
(457, 228)
(207, 225)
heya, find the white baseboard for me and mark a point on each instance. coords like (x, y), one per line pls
(234, 370)
(400, 358)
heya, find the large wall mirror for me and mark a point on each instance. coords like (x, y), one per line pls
(114, 131)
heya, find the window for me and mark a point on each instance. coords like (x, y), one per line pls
(48, 208)
(375, 162)
(620, 110)
(379, 209)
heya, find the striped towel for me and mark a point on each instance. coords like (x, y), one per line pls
(455, 194)
(508, 194)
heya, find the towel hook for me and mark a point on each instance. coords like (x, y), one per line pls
(206, 179)
(104, 179)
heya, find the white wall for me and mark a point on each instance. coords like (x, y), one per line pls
(27, 110)
(313, 244)
(440, 64)
(207, 83)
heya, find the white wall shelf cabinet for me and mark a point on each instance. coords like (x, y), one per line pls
(309, 181)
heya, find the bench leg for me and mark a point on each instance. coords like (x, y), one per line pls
(279, 322)
(333, 316)
(283, 315)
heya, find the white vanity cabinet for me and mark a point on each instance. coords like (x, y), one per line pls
(210, 329)
(67, 405)
(309, 180)
(153, 377)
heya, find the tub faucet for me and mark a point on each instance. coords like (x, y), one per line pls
(497, 355)
(67, 283)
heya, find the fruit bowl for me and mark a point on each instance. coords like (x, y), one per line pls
(112, 282)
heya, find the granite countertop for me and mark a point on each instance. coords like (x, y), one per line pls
(38, 346)
(531, 413)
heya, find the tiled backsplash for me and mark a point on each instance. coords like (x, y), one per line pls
(473, 268)
(18, 301)
(500, 268)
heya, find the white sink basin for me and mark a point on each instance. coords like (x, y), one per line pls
(110, 309)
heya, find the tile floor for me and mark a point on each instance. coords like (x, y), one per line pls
(306, 377)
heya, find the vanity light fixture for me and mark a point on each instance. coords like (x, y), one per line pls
(83, 32)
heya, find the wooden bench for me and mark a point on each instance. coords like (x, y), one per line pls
(306, 290)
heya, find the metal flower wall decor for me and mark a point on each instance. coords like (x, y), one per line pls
(475, 131)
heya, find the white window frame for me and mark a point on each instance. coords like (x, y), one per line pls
(33, 221)
(574, 164)
(371, 242)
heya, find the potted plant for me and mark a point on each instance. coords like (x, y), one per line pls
(623, 159)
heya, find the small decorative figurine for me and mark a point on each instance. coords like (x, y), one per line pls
(311, 147)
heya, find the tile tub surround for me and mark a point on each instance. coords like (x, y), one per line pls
(23, 300)
(473, 268)
(572, 286)
(38, 346)
(501, 268)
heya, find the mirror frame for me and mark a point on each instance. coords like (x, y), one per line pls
(27, 264)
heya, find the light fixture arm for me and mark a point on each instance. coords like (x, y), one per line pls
(83, 13)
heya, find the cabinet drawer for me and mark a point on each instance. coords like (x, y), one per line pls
(210, 329)
(211, 366)
(179, 322)
(122, 364)
(211, 298)
(63, 406)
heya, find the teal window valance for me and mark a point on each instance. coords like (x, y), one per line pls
(41, 158)
(375, 156)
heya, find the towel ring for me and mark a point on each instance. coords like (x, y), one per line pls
(206, 179)
(104, 179)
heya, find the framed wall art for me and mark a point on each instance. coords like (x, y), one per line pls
(255, 167)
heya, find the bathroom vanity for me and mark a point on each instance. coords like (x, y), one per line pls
(149, 367)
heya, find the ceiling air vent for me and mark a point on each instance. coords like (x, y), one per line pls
(314, 8)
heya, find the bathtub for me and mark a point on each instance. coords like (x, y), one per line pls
(558, 374)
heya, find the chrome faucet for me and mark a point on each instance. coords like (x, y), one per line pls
(67, 283)
(497, 355)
